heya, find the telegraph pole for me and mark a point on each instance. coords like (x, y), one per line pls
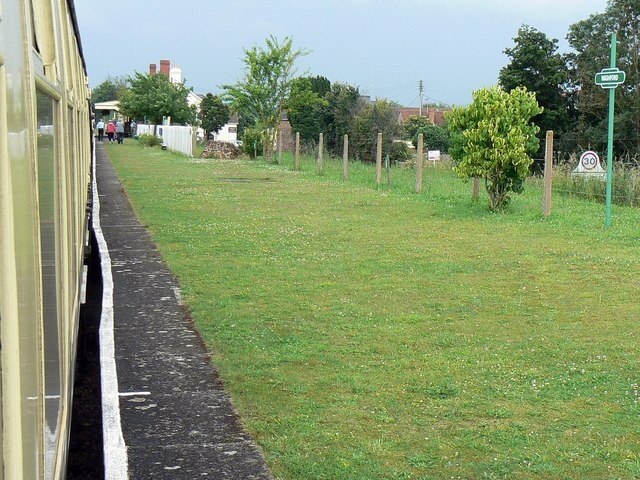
(420, 89)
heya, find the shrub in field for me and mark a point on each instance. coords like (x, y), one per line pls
(149, 140)
(492, 139)
(399, 152)
(378, 117)
(306, 104)
(252, 142)
(435, 137)
(413, 126)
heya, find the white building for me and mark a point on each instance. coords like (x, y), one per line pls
(175, 74)
(228, 133)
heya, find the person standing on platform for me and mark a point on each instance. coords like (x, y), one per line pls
(120, 130)
(100, 127)
(111, 130)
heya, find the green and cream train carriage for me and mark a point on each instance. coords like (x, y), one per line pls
(45, 159)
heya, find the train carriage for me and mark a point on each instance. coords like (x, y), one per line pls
(45, 160)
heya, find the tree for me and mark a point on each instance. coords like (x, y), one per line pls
(378, 117)
(321, 85)
(337, 118)
(153, 97)
(213, 114)
(492, 139)
(413, 126)
(434, 137)
(261, 94)
(111, 89)
(591, 40)
(537, 66)
(304, 106)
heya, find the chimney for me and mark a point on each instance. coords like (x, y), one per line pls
(165, 67)
(152, 69)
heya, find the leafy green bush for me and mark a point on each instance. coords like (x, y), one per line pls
(378, 117)
(150, 140)
(399, 152)
(413, 126)
(492, 138)
(436, 138)
(252, 142)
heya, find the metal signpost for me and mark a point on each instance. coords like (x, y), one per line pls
(610, 78)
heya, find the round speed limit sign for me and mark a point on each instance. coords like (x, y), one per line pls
(589, 160)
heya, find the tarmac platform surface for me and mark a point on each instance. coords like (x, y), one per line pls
(177, 420)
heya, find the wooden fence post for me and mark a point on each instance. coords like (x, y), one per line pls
(548, 174)
(279, 146)
(296, 164)
(419, 163)
(387, 167)
(345, 158)
(476, 189)
(379, 160)
(320, 145)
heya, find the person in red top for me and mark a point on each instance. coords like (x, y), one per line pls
(111, 130)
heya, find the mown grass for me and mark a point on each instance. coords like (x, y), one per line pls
(373, 333)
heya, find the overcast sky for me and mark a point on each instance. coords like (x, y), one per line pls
(383, 46)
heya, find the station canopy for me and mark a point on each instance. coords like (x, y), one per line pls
(110, 105)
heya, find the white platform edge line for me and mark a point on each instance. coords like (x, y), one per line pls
(115, 451)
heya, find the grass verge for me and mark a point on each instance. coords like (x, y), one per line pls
(370, 333)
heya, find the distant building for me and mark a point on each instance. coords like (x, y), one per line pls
(229, 131)
(195, 99)
(435, 114)
(405, 112)
(288, 137)
(165, 67)
(175, 74)
(106, 111)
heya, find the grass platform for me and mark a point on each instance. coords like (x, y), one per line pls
(374, 333)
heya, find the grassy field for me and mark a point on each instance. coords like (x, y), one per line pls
(369, 333)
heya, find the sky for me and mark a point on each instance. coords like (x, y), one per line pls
(385, 47)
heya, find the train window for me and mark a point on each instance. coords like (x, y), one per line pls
(34, 38)
(43, 35)
(46, 145)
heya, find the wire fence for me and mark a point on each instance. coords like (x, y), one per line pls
(626, 169)
(625, 185)
(441, 181)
